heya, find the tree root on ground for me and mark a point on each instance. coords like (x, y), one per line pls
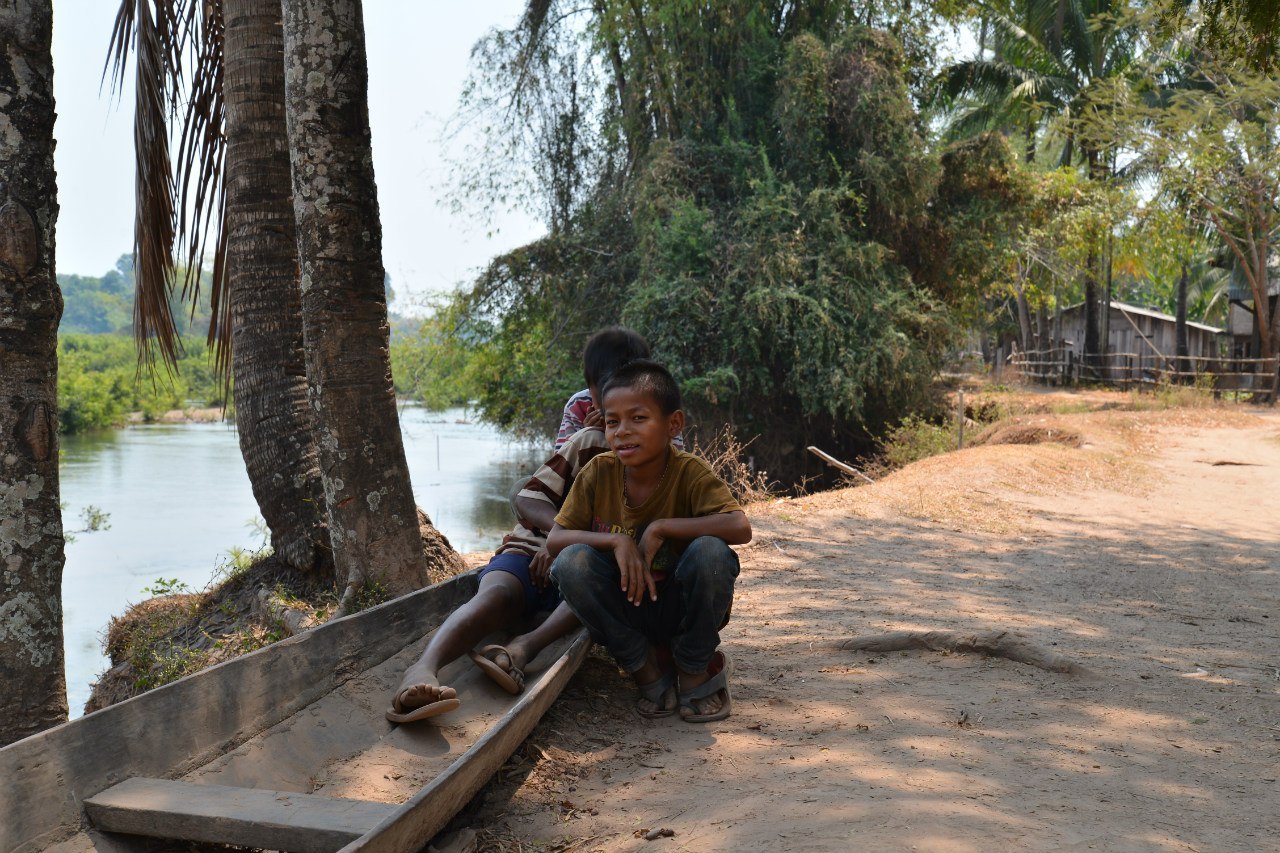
(1000, 644)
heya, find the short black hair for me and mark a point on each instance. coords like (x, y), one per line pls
(609, 349)
(647, 377)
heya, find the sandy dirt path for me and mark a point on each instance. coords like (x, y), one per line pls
(1148, 554)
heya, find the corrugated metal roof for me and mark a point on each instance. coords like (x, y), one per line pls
(1148, 312)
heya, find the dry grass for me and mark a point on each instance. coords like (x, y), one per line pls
(730, 461)
(978, 488)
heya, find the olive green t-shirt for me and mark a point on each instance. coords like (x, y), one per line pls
(690, 489)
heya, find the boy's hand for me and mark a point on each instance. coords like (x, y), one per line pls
(594, 419)
(636, 577)
(651, 542)
(540, 568)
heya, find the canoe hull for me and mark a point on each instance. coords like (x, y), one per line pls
(275, 694)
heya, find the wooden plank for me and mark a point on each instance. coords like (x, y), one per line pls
(276, 820)
(171, 730)
(427, 812)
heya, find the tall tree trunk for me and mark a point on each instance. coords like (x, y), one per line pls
(31, 544)
(1104, 314)
(1044, 340)
(272, 414)
(1092, 336)
(372, 518)
(1181, 346)
(1264, 250)
(1093, 343)
(1025, 333)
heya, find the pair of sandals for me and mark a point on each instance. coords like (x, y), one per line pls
(511, 680)
(667, 698)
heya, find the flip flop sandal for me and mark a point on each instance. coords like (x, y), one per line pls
(662, 694)
(423, 712)
(511, 680)
(718, 683)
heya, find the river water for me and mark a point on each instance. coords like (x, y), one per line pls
(178, 501)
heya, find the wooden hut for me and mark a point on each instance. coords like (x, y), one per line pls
(1148, 335)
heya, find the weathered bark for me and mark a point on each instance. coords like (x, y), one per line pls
(272, 415)
(31, 544)
(372, 516)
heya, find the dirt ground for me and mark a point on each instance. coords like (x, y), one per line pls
(1147, 555)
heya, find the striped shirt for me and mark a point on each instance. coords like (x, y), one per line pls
(551, 483)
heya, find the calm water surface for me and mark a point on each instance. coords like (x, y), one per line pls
(179, 500)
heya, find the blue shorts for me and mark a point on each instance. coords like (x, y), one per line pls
(515, 563)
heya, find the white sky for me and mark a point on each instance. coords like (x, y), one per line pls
(418, 60)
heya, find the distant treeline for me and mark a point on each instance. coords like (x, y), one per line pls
(104, 304)
(100, 384)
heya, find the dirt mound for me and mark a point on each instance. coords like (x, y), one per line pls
(1013, 432)
(170, 636)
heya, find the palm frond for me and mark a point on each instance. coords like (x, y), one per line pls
(177, 47)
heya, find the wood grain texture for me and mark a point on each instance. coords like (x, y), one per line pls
(171, 730)
(299, 823)
(414, 823)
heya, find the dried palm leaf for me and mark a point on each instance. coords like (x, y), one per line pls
(179, 201)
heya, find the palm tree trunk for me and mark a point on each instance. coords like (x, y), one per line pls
(274, 420)
(372, 518)
(31, 656)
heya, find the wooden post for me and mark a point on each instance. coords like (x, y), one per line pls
(960, 419)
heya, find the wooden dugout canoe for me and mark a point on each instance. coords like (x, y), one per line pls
(285, 748)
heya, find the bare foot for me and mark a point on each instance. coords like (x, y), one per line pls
(709, 705)
(420, 686)
(513, 656)
(657, 690)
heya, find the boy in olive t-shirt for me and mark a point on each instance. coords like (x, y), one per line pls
(641, 550)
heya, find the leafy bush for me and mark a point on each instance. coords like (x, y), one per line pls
(913, 439)
(761, 225)
(100, 383)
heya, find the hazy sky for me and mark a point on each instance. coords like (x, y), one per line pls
(418, 60)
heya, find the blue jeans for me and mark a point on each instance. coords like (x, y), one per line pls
(692, 604)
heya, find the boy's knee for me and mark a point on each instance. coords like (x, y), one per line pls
(573, 562)
(708, 557)
(711, 550)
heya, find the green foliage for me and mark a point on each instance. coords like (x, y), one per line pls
(94, 519)
(433, 366)
(167, 586)
(99, 383)
(913, 439)
(753, 198)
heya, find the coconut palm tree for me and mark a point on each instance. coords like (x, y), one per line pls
(31, 539)
(372, 518)
(235, 55)
(225, 60)
(1049, 71)
(268, 363)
